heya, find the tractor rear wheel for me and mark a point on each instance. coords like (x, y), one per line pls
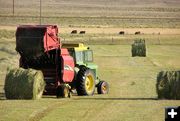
(102, 87)
(85, 84)
(62, 91)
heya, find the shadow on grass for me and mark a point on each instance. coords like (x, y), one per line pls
(2, 97)
(117, 98)
(49, 97)
(53, 96)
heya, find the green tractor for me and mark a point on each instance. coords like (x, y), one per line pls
(85, 71)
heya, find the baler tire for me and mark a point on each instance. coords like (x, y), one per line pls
(85, 83)
(103, 87)
(62, 91)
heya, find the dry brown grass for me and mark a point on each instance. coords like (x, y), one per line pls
(109, 30)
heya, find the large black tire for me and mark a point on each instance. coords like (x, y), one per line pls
(102, 87)
(85, 83)
(62, 91)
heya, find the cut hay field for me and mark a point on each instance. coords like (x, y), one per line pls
(93, 13)
(132, 82)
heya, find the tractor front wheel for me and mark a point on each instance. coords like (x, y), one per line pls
(85, 83)
(102, 87)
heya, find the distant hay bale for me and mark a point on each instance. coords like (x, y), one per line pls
(139, 48)
(168, 85)
(74, 32)
(24, 84)
(82, 32)
(121, 32)
(138, 32)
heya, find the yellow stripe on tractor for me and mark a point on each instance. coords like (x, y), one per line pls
(77, 47)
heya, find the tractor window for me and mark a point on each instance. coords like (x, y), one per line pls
(79, 56)
(88, 56)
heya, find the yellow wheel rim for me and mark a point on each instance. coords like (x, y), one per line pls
(104, 88)
(89, 83)
(65, 92)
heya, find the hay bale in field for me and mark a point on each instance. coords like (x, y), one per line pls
(24, 84)
(168, 85)
(139, 48)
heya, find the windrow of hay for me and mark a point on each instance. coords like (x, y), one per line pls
(168, 85)
(8, 50)
(139, 48)
(9, 34)
(24, 84)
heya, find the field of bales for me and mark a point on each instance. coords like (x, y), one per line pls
(132, 87)
(132, 80)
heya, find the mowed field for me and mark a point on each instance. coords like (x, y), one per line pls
(132, 82)
(132, 95)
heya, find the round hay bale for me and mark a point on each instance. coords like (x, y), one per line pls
(139, 48)
(162, 85)
(177, 85)
(168, 85)
(24, 84)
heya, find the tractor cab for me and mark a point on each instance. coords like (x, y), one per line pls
(83, 56)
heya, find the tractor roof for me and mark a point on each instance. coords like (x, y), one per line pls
(76, 46)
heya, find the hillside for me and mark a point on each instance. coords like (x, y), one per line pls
(94, 13)
(93, 7)
(98, 2)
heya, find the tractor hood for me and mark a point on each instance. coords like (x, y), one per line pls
(91, 66)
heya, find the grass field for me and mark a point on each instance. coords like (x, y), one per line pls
(132, 87)
(132, 95)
